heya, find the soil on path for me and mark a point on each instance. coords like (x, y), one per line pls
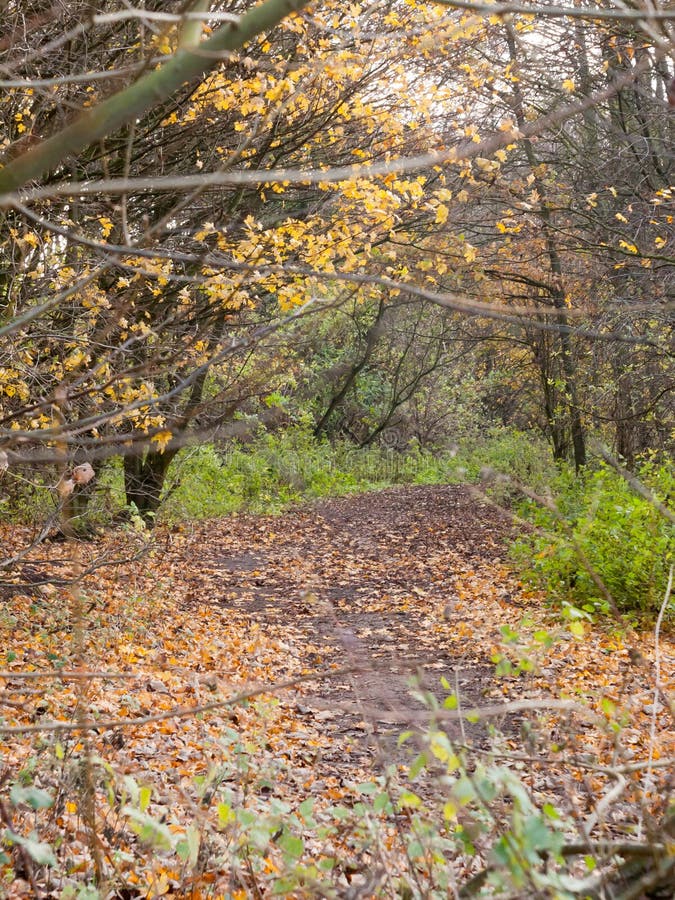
(391, 584)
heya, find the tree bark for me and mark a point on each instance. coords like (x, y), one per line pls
(144, 476)
(556, 290)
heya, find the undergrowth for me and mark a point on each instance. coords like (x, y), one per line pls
(591, 523)
(597, 522)
(595, 518)
(452, 821)
(277, 469)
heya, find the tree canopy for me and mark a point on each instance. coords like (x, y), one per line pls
(188, 189)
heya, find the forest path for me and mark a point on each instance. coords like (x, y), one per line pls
(318, 619)
(398, 583)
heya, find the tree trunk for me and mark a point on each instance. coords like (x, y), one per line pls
(372, 336)
(144, 476)
(557, 290)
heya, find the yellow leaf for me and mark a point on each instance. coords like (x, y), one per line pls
(206, 229)
(106, 226)
(74, 360)
(631, 248)
(449, 812)
(441, 214)
(161, 439)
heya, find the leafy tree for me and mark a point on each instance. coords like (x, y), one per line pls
(140, 304)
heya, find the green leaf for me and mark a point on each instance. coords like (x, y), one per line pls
(504, 667)
(409, 800)
(246, 817)
(306, 808)
(451, 702)
(509, 635)
(88, 892)
(463, 791)
(144, 797)
(284, 886)
(340, 812)
(225, 814)
(449, 811)
(576, 628)
(381, 802)
(31, 796)
(536, 834)
(291, 845)
(415, 850)
(417, 765)
(367, 787)
(39, 852)
(188, 849)
(149, 830)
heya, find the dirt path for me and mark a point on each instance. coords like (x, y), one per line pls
(390, 582)
(355, 596)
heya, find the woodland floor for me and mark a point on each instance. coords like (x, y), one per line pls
(352, 598)
(388, 584)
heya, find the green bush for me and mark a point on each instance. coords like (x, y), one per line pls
(522, 457)
(276, 469)
(27, 496)
(266, 475)
(626, 540)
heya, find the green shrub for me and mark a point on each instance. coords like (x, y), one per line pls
(627, 541)
(523, 457)
(271, 472)
(276, 469)
(27, 496)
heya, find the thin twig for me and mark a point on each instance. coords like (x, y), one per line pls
(180, 712)
(658, 689)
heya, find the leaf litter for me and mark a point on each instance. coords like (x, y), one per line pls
(382, 613)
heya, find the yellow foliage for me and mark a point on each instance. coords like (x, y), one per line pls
(631, 248)
(161, 440)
